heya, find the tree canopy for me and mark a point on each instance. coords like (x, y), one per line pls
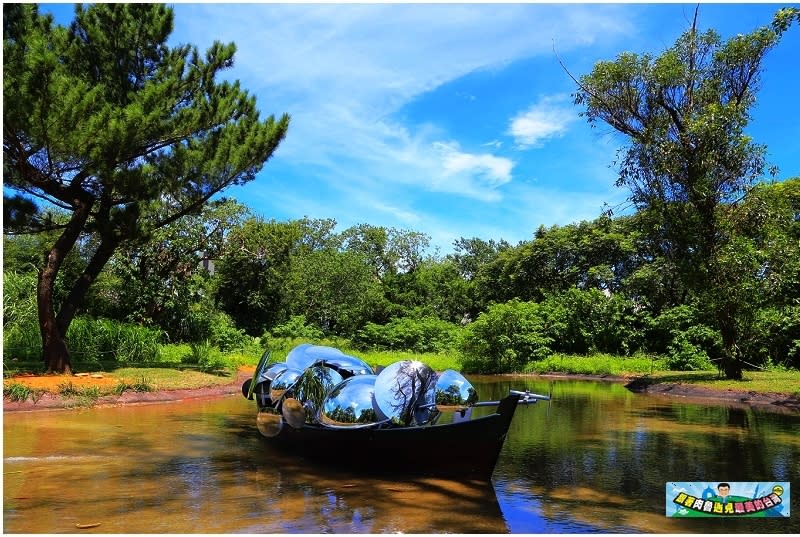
(107, 122)
(684, 114)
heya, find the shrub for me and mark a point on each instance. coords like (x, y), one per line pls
(206, 357)
(142, 385)
(683, 355)
(774, 338)
(21, 338)
(505, 337)
(20, 392)
(225, 335)
(426, 334)
(296, 327)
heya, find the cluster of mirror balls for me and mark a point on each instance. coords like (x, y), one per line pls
(323, 386)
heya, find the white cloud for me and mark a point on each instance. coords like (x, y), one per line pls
(547, 118)
(345, 71)
(483, 168)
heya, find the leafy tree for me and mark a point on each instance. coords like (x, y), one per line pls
(253, 273)
(126, 134)
(472, 254)
(164, 281)
(334, 290)
(684, 114)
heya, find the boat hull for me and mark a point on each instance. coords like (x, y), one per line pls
(465, 449)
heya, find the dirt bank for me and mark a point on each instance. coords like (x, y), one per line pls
(53, 401)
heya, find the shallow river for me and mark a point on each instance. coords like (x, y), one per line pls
(596, 459)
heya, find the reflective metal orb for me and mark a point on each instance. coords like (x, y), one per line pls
(297, 357)
(402, 388)
(269, 423)
(313, 386)
(272, 370)
(293, 412)
(350, 403)
(454, 392)
(283, 382)
(347, 365)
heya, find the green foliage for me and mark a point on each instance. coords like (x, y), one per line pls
(296, 327)
(334, 290)
(685, 113)
(21, 393)
(596, 364)
(143, 134)
(683, 355)
(163, 282)
(103, 341)
(689, 345)
(206, 357)
(253, 273)
(505, 337)
(139, 386)
(21, 338)
(225, 335)
(427, 334)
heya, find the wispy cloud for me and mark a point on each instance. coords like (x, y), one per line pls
(547, 118)
(345, 73)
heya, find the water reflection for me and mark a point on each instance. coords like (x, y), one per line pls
(202, 468)
(607, 454)
(595, 459)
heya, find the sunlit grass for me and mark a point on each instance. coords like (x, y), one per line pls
(785, 382)
(596, 364)
(159, 378)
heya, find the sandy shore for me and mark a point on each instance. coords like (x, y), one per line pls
(674, 391)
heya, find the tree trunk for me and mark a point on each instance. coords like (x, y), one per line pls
(731, 365)
(54, 348)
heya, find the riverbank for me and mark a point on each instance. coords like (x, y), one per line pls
(50, 398)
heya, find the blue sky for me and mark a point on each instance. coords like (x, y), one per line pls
(456, 120)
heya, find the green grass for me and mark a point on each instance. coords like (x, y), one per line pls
(784, 382)
(596, 364)
(142, 385)
(19, 392)
(164, 378)
(779, 381)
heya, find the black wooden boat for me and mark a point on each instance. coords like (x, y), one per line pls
(403, 439)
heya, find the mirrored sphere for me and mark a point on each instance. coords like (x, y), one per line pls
(350, 403)
(269, 423)
(297, 357)
(313, 386)
(272, 370)
(293, 412)
(402, 388)
(347, 365)
(454, 392)
(283, 382)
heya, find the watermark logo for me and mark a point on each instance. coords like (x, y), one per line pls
(727, 499)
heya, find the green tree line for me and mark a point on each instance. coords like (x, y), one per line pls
(589, 287)
(118, 156)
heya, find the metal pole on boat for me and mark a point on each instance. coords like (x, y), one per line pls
(526, 398)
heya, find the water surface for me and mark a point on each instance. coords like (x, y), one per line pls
(594, 460)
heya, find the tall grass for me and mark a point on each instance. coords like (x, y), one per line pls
(103, 340)
(21, 339)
